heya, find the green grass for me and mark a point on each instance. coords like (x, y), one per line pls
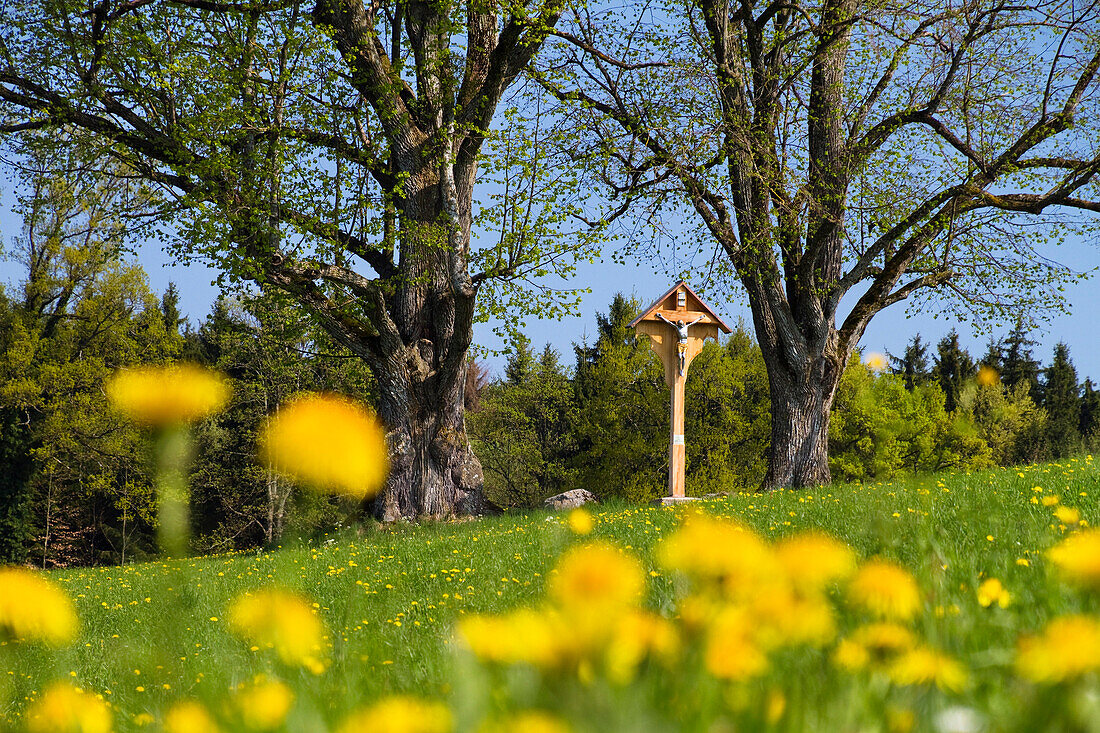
(392, 595)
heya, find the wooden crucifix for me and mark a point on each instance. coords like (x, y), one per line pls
(677, 325)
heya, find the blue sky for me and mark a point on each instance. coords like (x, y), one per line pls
(890, 330)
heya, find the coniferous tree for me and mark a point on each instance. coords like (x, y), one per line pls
(1018, 366)
(82, 312)
(170, 307)
(953, 367)
(524, 430)
(270, 352)
(1090, 410)
(913, 366)
(994, 355)
(1062, 401)
(520, 366)
(622, 409)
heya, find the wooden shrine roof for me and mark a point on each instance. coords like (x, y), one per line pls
(703, 307)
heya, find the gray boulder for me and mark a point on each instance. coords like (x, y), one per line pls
(571, 499)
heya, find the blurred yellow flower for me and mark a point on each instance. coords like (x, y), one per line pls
(581, 521)
(1050, 500)
(263, 704)
(283, 621)
(638, 635)
(720, 551)
(523, 635)
(1078, 557)
(988, 376)
(168, 395)
(775, 706)
(731, 651)
(399, 714)
(851, 656)
(991, 591)
(35, 609)
(923, 666)
(786, 618)
(328, 442)
(66, 709)
(189, 716)
(873, 645)
(1067, 515)
(812, 560)
(1068, 648)
(876, 362)
(885, 589)
(528, 721)
(597, 578)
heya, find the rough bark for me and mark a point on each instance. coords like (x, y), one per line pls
(801, 402)
(434, 472)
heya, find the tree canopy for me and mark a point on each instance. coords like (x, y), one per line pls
(329, 150)
(838, 157)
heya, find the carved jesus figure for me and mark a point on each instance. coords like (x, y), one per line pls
(682, 331)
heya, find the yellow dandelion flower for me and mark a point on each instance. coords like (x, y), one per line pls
(282, 621)
(876, 362)
(35, 609)
(882, 642)
(720, 551)
(885, 589)
(1078, 557)
(263, 704)
(988, 376)
(731, 651)
(189, 716)
(786, 618)
(991, 591)
(597, 577)
(775, 706)
(1067, 515)
(523, 636)
(925, 666)
(639, 635)
(328, 442)
(399, 714)
(1068, 648)
(851, 656)
(1051, 500)
(581, 521)
(529, 721)
(159, 396)
(812, 560)
(63, 707)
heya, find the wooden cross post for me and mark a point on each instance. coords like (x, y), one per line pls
(677, 325)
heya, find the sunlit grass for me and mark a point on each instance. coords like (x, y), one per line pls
(154, 634)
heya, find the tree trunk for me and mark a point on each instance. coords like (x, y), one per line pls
(434, 473)
(421, 363)
(800, 405)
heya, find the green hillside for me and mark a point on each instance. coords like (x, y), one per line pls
(154, 634)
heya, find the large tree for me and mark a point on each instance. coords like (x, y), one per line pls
(76, 475)
(329, 149)
(839, 156)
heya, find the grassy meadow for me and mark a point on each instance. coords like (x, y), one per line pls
(392, 598)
